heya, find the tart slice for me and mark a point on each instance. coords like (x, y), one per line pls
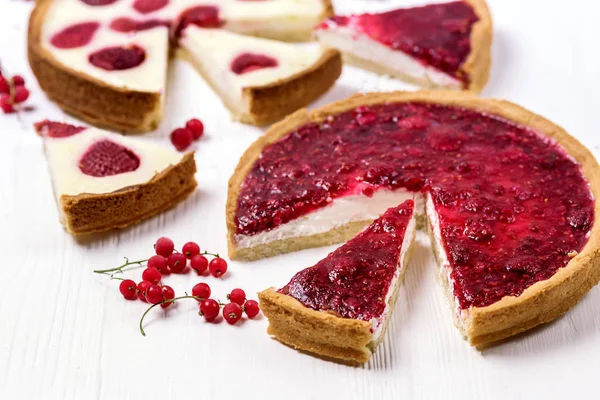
(104, 181)
(444, 45)
(260, 80)
(340, 307)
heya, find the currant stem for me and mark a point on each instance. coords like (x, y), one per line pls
(163, 302)
(120, 268)
(210, 254)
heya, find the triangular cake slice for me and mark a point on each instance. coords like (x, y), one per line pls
(339, 308)
(104, 181)
(444, 45)
(260, 80)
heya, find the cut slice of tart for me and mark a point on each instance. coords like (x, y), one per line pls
(511, 200)
(260, 80)
(105, 181)
(105, 61)
(341, 306)
(445, 45)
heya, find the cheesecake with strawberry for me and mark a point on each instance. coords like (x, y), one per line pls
(445, 45)
(104, 181)
(509, 199)
(105, 61)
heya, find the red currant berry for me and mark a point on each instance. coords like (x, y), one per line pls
(196, 127)
(142, 288)
(164, 247)
(6, 103)
(168, 294)
(232, 313)
(21, 94)
(154, 294)
(160, 263)
(251, 308)
(217, 267)
(190, 249)
(181, 138)
(152, 275)
(4, 86)
(201, 290)
(177, 262)
(209, 309)
(199, 263)
(128, 289)
(237, 296)
(18, 80)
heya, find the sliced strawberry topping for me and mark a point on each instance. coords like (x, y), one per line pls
(127, 25)
(99, 2)
(148, 6)
(118, 58)
(75, 35)
(202, 16)
(106, 158)
(247, 62)
(56, 129)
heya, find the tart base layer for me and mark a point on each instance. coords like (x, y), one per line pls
(88, 213)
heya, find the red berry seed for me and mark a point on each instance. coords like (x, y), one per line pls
(142, 289)
(199, 264)
(237, 296)
(154, 294)
(209, 309)
(160, 263)
(177, 262)
(168, 294)
(201, 290)
(190, 249)
(181, 138)
(217, 267)
(164, 247)
(251, 308)
(151, 274)
(196, 127)
(128, 289)
(232, 313)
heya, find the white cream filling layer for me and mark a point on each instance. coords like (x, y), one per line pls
(363, 47)
(338, 213)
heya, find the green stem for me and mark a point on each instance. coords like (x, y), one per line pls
(120, 268)
(210, 254)
(163, 302)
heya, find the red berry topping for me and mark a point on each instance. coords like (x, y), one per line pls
(232, 313)
(4, 86)
(159, 263)
(98, 2)
(151, 274)
(209, 308)
(248, 62)
(201, 290)
(199, 263)
(148, 6)
(77, 35)
(177, 262)
(190, 249)
(18, 80)
(154, 294)
(251, 308)
(128, 289)
(168, 294)
(127, 25)
(182, 138)
(164, 247)
(142, 288)
(21, 94)
(196, 127)
(217, 267)
(6, 103)
(118, 58)
(202, 16)
(56, 129)
(237, 296)
(107, 158)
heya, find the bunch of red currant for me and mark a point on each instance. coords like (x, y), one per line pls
(182, 138)
(12, 92)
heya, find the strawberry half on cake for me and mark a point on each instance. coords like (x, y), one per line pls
(260, 80)
(104, 181)
(444, 45)
(341, 306)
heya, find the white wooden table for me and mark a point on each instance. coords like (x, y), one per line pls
(66, 333)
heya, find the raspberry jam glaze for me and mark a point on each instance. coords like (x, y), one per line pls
(436, 34)
(248, 62)
(512, 205)
(353, 281)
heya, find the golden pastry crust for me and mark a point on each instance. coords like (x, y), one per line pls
(541, 302)
(87, 213)
(85, 97)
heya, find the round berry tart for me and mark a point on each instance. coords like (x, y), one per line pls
(105, 61)
(444, 45)
(104, 181)
(508, 197)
